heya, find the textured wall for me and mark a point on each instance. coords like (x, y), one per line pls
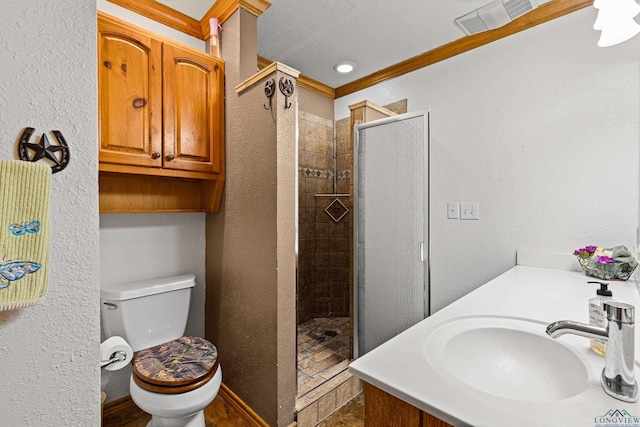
(542, 129)
(250, 242)
(314, 103)
(49, 375)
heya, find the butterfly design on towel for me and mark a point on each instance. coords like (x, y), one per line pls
(12, 271)
(30, 228)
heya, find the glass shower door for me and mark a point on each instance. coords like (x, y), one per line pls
(391, 251)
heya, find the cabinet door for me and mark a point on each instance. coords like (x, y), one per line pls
(193, 86)
(129, 96)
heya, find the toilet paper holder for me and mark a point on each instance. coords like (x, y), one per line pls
(116, 356)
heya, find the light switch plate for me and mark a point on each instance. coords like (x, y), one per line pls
(470, 210)
(453, 210)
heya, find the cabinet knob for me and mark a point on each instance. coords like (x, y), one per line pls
(170, 157)
(139, 102)
(155, 155)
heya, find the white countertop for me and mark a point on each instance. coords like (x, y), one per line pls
(540, 294)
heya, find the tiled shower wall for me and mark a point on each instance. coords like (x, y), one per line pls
(324, 249)
(344, 155)
(323, 244)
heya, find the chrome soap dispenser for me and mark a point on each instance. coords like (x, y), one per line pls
(597, 316)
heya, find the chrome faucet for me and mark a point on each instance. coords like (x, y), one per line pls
(617, 376)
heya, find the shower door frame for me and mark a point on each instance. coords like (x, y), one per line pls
(426, 114)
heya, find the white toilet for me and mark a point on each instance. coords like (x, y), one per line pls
(173, 377)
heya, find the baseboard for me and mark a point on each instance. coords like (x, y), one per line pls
(119, 409)
(124, 407)
(240, 407)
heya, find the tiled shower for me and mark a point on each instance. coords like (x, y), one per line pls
(324, 221)
(324, 260)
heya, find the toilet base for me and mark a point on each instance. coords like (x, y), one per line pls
(196, 420)
(177, 410)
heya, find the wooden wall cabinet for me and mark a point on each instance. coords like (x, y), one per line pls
(161, 121)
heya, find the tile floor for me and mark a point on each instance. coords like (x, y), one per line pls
(219, 414)
(325, 400)
(323, 351)
(349, 415)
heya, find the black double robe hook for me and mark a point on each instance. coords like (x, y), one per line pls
(269, 90)
(286, 88)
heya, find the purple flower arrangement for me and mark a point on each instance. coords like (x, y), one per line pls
(614, 263)
(585, 252)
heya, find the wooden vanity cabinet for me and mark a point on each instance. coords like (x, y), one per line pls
(381, 409)
(161, 121)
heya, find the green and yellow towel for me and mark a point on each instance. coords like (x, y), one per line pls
(24, 233)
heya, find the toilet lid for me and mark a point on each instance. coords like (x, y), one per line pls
(177, 363)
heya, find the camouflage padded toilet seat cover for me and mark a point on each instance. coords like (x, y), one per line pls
(178, 362)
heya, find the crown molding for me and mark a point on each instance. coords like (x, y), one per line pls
(316, 86)
(221, 9)
(270, 69)
(304, 81)
(263, 62)
(547, 12)
(373, 106)
(164, 15)
(256, 7)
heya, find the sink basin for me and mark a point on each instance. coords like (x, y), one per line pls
(506, 357)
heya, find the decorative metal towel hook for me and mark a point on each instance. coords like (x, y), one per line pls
(57, 154)
(269, 90)
(287, 88)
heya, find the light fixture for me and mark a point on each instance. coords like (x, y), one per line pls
(344, 67)
(615, 21)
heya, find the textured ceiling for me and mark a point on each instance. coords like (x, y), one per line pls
(312, 36)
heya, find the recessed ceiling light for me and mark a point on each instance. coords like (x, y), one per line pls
(344, 67)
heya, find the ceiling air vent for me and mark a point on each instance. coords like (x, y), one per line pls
(471, 23)
(495, 15)
(517, 8)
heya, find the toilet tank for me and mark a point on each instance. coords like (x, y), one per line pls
(149, 312)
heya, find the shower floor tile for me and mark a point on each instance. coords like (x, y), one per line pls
(323, 351)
